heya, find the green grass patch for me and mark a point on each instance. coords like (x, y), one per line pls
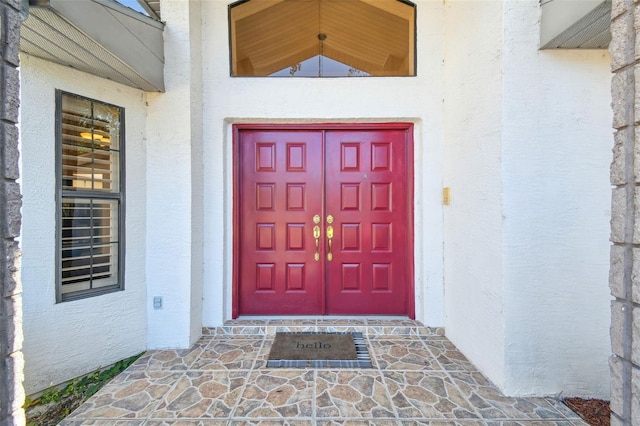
(74, 393)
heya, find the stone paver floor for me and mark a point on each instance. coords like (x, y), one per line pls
(419, 378)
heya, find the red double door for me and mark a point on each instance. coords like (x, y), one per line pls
(323, 221)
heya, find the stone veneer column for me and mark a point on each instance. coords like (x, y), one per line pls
(624, 277)
(11, 373)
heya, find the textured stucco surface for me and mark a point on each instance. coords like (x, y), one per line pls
(625, 210)
(556, 144)
(526, 250)
(68, 339)
(473, 222)
(174, 203)
(11, 337)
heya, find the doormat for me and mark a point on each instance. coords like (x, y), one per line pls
(319, 350)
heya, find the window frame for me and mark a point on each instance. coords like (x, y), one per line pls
(414, 51)
(61, 193)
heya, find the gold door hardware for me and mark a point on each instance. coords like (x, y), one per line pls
(316, 235)
(446, 196)
(329, 236)
(329, 231)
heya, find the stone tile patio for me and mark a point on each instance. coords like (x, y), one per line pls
(419, 378)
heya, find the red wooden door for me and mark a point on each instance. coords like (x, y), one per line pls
(366, 190)
(280, 193)
(354, 181)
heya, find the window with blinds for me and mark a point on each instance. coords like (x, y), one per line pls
(90, 197)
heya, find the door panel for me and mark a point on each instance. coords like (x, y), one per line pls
(366, 190)
(280, 192)
(359, 177)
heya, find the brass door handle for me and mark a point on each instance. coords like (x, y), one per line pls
(330, 237)
(316, 235)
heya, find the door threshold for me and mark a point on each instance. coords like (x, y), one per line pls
(268, 325)
(322, 317)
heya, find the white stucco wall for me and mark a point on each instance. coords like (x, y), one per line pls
(174, 177)
(64, 340)
(527, 148)
(556, 151)
(227, 100)
(197, 170)
(473, 222)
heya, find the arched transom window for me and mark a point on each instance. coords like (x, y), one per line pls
(322, 38)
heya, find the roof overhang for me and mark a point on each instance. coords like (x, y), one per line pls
(100, 37)
(575, 24)
(152, 7)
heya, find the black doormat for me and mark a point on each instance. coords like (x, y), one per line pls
(319, 350)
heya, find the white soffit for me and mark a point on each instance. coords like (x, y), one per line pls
(100, 37)
(575, 24)
(152, 7)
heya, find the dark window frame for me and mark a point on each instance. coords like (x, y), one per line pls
(61, 193)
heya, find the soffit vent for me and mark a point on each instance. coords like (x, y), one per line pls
(592, 31)
(100, 37)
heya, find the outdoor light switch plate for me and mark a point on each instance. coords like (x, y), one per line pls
(157, 302)
(446, 196)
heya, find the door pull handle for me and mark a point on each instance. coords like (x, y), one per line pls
(316, 235)
(330, 237)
